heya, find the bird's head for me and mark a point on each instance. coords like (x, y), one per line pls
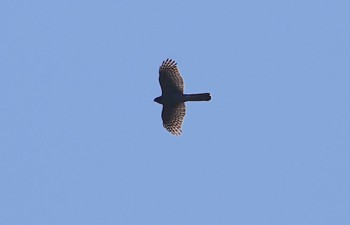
(158, 100)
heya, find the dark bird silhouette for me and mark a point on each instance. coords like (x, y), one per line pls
(173, 98)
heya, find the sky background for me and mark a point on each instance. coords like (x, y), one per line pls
(82, 142)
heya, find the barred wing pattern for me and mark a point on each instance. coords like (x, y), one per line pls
(169, 78)
(173, 117)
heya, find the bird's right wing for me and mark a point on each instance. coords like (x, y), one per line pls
(173, 117)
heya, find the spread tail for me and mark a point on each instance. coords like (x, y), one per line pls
(197, 97)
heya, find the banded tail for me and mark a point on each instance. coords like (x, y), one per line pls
(197, 97)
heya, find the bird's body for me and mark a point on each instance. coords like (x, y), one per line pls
(173, 98)
(170, 99)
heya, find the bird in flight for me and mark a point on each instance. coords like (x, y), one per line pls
(173, 98)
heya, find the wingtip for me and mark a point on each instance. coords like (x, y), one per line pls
(169, 61)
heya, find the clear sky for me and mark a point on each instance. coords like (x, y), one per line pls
(82, 142)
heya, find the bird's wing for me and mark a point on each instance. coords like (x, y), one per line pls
(169, 78)
(173, 117)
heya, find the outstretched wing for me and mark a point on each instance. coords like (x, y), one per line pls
(173, 117)
(169, 78)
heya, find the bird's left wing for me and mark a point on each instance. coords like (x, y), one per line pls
(169, 78)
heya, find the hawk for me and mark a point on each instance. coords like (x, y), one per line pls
(173, 98)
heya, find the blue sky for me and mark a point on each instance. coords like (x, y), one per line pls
(81, 140)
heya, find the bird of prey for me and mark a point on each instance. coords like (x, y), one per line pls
(173, 98)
